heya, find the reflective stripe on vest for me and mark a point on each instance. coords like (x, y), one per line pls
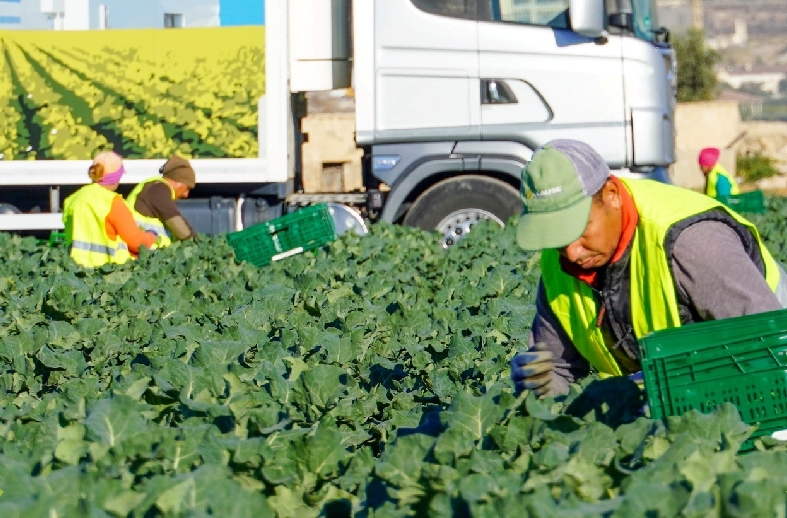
(652, 286)
(713, 180)
(84, 217)
(156, 228)
(99, 249)
(146, 223)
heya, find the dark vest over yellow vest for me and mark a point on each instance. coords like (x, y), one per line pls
(652, 285)
(146, 223)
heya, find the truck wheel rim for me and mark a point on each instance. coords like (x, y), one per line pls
(458, 224)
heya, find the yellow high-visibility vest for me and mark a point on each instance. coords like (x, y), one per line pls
(652, 285)
(84, 217)
(713, 180)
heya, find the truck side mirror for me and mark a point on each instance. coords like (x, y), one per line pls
(587, 17)
(622, 20)
(662, 32)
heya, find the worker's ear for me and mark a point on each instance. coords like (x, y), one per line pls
(611, 195)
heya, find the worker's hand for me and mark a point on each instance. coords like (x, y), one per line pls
(533, 370)
(639, 379)
(159, 242)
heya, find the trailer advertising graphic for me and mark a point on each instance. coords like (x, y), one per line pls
(144, 93)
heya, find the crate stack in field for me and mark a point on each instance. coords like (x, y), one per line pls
(331, 161)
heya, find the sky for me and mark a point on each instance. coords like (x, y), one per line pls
(242, 12)
(26, 14)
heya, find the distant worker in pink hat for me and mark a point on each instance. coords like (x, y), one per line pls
(99, 227)
(718, 182)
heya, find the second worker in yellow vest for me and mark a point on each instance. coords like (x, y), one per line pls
(152, 202)
(622, 258)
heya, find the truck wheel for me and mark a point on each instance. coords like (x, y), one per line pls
(454, 206)
(7, 208)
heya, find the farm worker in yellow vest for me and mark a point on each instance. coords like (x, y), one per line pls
(99, 227)
(718, 182)
(153, 201)
(622, 258)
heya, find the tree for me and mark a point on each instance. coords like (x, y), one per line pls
(696, 75)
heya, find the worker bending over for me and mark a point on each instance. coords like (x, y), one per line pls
(622, 258)
(718, 182)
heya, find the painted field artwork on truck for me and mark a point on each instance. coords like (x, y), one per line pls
(143, 93)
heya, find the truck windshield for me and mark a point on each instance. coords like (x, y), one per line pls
(644, 14)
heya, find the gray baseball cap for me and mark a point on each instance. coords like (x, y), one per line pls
(558, 185)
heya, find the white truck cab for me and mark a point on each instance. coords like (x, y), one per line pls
(464, 91)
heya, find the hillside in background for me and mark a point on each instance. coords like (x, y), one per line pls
(760, 27)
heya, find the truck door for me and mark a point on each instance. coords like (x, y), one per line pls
(540, 80)
(426, 70)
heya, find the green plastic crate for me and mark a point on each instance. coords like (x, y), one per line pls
(305, 229)
(753, 201)
(739, 360)
(55, 238)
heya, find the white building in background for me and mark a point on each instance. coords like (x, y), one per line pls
(739, 38)
(10, 14)
(21, 14)
(768, 77)
(107, 14)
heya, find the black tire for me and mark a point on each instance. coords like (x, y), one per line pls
(470, 193)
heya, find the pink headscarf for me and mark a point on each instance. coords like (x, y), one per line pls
(113, 167)
(709, 156)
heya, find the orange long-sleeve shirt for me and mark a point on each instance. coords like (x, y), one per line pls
(120, 222)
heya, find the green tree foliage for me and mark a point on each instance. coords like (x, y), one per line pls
(696, 77)
(755, 167)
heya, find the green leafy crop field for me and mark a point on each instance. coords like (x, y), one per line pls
(368, 379)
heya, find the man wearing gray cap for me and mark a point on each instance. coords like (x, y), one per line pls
(622, 258)
(152, 202)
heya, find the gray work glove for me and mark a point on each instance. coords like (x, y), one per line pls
(533, 370)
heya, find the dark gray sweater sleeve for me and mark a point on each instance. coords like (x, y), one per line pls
(713, 272)
(569, 365)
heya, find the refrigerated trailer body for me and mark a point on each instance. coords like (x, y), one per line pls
(451, 97)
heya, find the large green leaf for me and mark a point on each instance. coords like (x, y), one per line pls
(115, 421)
